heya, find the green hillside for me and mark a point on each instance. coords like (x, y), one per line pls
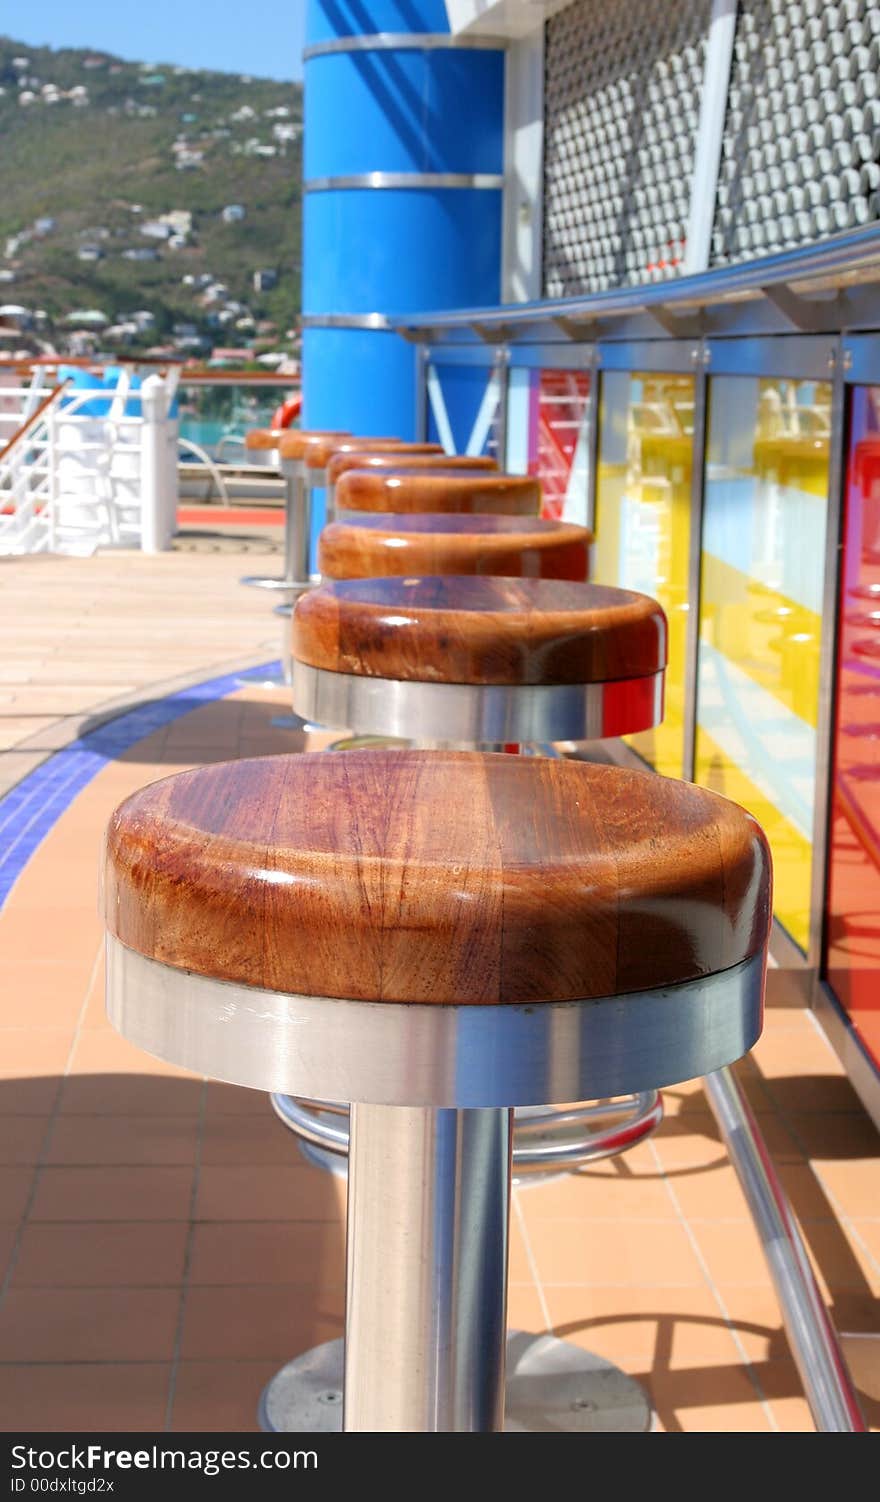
(102, 164)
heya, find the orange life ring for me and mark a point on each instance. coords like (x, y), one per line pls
(284, 415)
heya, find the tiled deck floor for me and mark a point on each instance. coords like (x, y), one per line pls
(165, 1249)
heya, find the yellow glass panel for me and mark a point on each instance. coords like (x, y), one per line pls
(763, 558)
(643, 505)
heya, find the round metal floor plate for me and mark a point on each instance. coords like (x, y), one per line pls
(552, 1387)
(270, 581)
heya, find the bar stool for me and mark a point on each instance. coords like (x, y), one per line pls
(368, 544)
(356, 458)
(400, 489)
(319, 454)
(533, 662)
(375, 544)
(479, 660)
(290, 447)
(332, 926)
(261, 446)
(304, 457)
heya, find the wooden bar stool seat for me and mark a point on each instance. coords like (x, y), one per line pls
(478, 660)
(319, 453)
(295, 442)
(356, 457)
(374, 545)
(261, 445)
(435, 937)
(400, 490)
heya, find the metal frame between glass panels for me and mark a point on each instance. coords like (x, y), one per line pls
(830, 356)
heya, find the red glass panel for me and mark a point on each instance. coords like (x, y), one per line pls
(558, 438)
(852, 961)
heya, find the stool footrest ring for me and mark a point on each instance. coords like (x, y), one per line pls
(542, 1139)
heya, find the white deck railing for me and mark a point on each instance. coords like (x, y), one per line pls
(87, 468)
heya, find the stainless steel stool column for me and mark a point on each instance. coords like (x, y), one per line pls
(297, 522)
(431, 1310)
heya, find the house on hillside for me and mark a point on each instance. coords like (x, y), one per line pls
(179, 221)
(119, 332)
(14, 314)
(87, 318)
(265, 280)
(154, 229)
(220, 356)
(233, 213)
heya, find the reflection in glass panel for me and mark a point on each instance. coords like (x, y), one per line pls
(643, 501)
(549, 435)
(853, 927)
(464, 407)
(763, 559)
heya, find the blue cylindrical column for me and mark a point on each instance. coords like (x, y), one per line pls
(401, 198)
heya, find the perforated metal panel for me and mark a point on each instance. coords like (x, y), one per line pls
(622, 88)
(801, 150)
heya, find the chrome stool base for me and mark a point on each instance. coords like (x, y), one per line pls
(552, 1387)
(271, 581)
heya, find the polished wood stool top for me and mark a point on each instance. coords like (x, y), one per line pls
(357, 458)
(295, 443)
(479, 631)
(402, 489)
(443, 878)
(264, 438)
(319, 454)
(377, 544)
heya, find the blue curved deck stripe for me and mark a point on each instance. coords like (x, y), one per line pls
(29, 810)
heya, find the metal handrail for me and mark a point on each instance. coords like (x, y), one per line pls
(32, 421)
(186, 445)
(821, 1365)
(831, 262)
